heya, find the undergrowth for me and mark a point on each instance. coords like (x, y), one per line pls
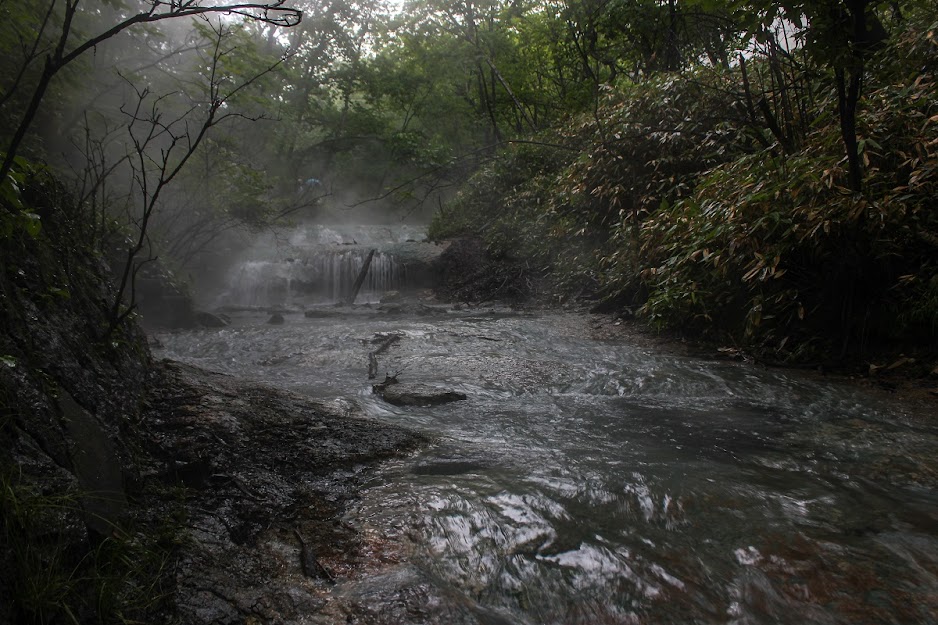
(679, 205)
(60, 574)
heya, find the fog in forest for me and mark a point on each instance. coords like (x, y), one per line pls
(592, 149)
(554, 312)
(198, 135)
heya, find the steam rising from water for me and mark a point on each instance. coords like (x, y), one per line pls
(588, 482)
(321, 277)
(317, 264)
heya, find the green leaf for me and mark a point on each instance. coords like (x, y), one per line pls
(10, 192)
(33, 224)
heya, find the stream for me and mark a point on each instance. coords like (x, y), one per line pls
(599, 481)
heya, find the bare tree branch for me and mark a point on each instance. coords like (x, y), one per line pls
(29, 56)
(154, 170)
(271, 12)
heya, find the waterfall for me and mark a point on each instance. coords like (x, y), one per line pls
(323, 277)
(317, 265)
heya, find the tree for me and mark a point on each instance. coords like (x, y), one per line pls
(163, 140)
(61, 49)
(840, 35)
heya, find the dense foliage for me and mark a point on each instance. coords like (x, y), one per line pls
(719, 200)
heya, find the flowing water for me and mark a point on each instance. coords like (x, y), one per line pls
(591, 481)
(315, 264)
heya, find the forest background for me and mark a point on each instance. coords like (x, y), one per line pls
(761, 173)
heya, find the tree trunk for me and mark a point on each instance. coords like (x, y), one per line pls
(848, 97)
(360, 279)
(867, 32)
(511, 94)
(673, 51)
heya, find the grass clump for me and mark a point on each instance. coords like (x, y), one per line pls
(59, 572)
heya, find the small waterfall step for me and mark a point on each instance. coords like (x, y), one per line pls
(319, 265)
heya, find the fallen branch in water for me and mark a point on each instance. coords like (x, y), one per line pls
(360, 279)
(385, 343)
(388, 381)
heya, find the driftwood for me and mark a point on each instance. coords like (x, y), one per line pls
(412, 394)
(360, 279)
(384, 344)
(388, 381)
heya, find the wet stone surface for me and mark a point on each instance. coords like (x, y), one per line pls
(265, 474)
(595, 478)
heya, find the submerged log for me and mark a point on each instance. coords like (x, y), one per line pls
(410, 394)
(384, 342)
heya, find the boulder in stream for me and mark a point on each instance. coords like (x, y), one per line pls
(210, 320)
(410, 394)
(276, 319)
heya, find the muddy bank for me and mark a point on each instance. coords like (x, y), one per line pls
(264, 477)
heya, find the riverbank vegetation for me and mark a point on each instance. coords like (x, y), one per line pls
(737, 196)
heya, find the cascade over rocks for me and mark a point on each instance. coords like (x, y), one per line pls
(320, 264)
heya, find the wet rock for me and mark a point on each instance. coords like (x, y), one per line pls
(96, 465)
(409, 394)
(409, 596)
(316, 313)
(276, 319)
(420, 261)
(68, 404)
(210, 320)
(269, 475)
(448, 467)
(391, 297)
(162, 300)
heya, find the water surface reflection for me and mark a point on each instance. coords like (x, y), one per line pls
(594, 482)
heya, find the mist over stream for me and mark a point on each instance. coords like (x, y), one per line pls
(603, 481)
(313, 264)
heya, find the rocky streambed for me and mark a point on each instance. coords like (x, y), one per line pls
(585, 479)
(265, 475)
